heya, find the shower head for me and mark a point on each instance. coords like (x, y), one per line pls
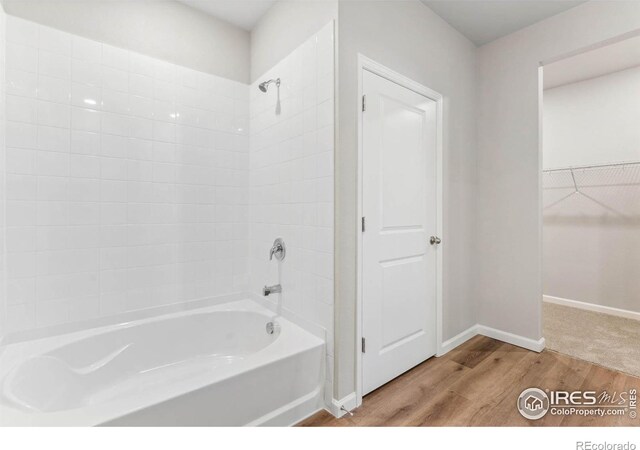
(265, 84)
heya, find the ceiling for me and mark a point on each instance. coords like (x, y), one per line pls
(481, 21)
(594, 63)
(484, 21)
(242, 13)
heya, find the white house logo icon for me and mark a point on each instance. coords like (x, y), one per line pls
(533, 403)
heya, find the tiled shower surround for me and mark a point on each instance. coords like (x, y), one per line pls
(292, 181)
(133, 183)
(3, 46)
(291, 185)
(127, 180)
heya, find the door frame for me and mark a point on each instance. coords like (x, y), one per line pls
(369, 65)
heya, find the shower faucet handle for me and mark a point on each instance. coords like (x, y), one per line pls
(278, 250)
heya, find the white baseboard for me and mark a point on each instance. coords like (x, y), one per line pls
(514, 339)
(592, 307)
(457, 340)
(349, 403)
(504, 336)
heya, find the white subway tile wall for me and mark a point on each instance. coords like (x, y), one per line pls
(3, 157)
(133, 183)
(292, 173)
(127, 180)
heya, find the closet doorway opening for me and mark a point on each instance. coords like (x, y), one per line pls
(591, 205)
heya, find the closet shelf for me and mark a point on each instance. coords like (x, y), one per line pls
(593, 190)
(600, 175)
(593, 166)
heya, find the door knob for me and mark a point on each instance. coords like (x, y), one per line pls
(435, 240)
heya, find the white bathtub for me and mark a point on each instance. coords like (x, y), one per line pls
(213, 366)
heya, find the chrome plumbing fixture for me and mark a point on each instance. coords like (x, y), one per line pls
(273, 327)
(278, 250)
(265, 84)
(268, 290)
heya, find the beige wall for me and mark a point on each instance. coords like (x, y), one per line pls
(509, 271)
(409, 38)
(166, 30)
(284, 27)
(591, 249)
(593, 121)
(595, 259)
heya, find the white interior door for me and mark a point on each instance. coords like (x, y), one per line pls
(399, 264)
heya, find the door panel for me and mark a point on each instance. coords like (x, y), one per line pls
(399, 204)
(402, 179)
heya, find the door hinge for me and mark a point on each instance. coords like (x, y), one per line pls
(364, 103)
(363, 345)
(363, 224)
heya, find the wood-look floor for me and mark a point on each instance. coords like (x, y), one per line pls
(478, 384)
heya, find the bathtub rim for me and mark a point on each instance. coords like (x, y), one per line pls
(51, 331)
(292, 340)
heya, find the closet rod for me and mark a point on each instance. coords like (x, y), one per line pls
(594, 166)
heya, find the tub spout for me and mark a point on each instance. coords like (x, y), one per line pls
(268, 290)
